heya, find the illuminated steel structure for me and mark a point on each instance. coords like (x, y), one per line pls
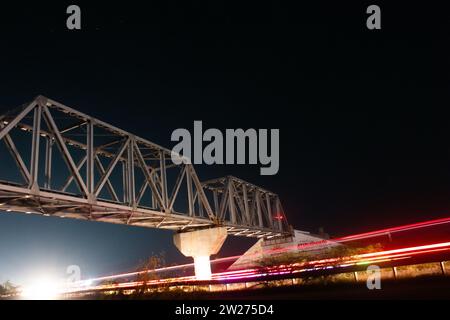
(114, 176)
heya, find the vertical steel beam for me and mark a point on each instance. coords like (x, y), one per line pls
(231, 203)
(246, 209)
(90, 160)
(216, 202)
(269, 210)
(125, 180)
(258, 208)
(48, 162)
(162, 165)
(200, 208)
(154, 202)
(279, 214)
(35, 147)
(190, 193)
(131, 182)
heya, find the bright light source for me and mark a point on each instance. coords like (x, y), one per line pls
(87, 283)
(202, 268)
(81, 283)
(41, 289)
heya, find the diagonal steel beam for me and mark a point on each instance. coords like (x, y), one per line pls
(141, 192)
(223, 204)
(73, 127)
(108, 144)
(110, 168)
(148, 176)
(71, 177)
(201, 192)
(17, 119)
(61, 144)
(176, 188)
(108, 182)
(16, 155)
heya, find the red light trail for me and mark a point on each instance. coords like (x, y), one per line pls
(385, 254)
(291, 269)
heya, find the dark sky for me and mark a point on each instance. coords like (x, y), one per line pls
(364, 127)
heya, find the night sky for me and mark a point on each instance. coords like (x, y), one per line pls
(364, 126)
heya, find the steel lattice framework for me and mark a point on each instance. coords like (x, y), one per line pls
(65, 163)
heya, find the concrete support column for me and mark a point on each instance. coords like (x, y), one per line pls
(200, 245)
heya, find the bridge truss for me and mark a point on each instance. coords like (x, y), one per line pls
(57, 161)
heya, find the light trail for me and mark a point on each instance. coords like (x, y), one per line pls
(407, 227)
(417, 248)
(310, 245)
(317, 265)
(129, 274)
(366, 235)
(383, 256)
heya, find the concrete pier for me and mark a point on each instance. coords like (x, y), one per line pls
(200, 245)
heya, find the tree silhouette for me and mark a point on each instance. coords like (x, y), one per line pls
(148, 273)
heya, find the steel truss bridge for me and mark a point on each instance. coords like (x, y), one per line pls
(57, 161)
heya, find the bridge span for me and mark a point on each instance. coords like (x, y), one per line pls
(57, 161)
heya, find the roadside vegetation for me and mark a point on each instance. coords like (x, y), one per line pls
(8, 289)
